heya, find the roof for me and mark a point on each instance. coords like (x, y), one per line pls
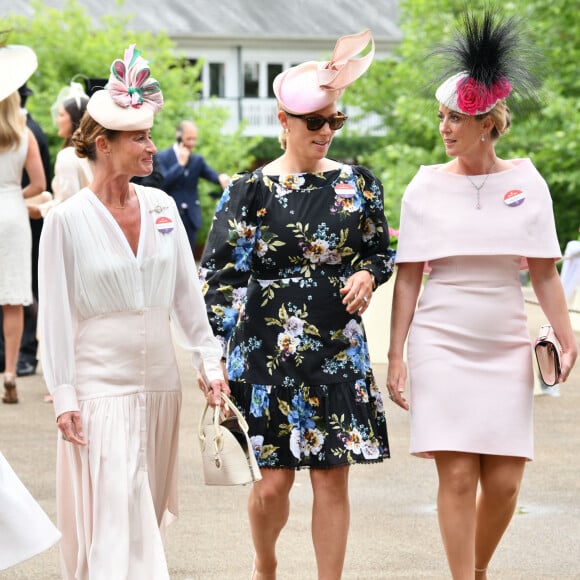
(247, 22)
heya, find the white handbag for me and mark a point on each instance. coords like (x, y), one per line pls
(226, 451)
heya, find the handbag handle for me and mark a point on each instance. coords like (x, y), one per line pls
(229, 405)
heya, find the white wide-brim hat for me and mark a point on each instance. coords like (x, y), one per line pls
(17, 63)
(314, 85)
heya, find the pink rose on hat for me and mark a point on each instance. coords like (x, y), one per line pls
(473, 97)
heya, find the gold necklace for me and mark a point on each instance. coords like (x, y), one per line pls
(479, 187)
(114, 206)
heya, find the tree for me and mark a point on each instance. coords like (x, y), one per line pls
(69, 43)
(399, 90)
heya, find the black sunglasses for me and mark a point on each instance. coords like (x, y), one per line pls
(313, 123)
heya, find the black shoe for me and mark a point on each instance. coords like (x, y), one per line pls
(24, 369)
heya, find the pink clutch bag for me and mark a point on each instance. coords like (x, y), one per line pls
(548, 353)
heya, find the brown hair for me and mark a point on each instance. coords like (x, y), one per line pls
(85, 137)
(75, 110)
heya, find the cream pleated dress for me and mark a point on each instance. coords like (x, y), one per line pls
(469, 353)
(107, 351)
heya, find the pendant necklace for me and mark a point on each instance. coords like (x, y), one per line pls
(479, 187)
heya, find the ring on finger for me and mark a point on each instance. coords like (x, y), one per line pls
(366, 300)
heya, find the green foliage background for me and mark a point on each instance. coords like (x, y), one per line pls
(69, 43)
(398, 89)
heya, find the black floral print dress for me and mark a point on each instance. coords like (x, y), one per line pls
(279, 250)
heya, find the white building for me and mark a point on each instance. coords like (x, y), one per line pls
(244, 44)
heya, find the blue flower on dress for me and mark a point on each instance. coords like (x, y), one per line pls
(235, 364)
(242, 254)
(230, 318)
(224, 199)
(260, 400)
(358, 353)
(302, 413)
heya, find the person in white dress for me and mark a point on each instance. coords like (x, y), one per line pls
(71, 172)
(476, 220)
(115, 276)
(25, 529)
(18, 150)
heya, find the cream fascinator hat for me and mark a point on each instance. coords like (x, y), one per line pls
(489, 60)
(313, 85)
(73, 91)
(17, 63)
(131, 97)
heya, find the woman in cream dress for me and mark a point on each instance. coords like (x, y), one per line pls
(71, 172)
(115, 272)
(18, 151)
(476, 220)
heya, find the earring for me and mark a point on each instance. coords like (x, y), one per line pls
(483, 137)
(286, 130)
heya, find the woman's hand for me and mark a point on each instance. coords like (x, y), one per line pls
(214, 390)
(358, 292)
(33, 212)
(71, 428)
(567, 363)
(396, 379)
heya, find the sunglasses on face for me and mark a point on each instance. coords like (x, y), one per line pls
(315, 123)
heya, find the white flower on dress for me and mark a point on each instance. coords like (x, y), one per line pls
(295, 446)
(352, 329)
(354, 441)
(370, 450)
(294, 326)
(313, 442)
(288, 343)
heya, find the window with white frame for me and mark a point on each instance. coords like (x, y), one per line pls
(273, 71)
(251, 79)
(217, 79)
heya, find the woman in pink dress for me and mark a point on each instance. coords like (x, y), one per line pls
(476, 219)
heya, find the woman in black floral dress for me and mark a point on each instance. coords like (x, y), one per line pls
(295, 252)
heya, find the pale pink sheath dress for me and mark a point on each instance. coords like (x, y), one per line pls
(107, 350)
(469, 353)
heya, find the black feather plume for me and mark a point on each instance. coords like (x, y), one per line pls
(491, 48)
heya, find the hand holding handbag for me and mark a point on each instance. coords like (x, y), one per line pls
(548, 354)
(226, 450)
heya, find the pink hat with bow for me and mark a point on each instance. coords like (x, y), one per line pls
(130, 99)
(313, 85)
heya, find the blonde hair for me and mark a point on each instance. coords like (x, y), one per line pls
(501, 117)
(282, 139)
(13, 122)
(85, 137)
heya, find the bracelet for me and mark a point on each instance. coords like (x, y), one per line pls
(373, 280)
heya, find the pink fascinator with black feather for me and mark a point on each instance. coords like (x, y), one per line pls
(489, 60)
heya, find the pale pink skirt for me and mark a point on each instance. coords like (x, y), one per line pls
(470, 360)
